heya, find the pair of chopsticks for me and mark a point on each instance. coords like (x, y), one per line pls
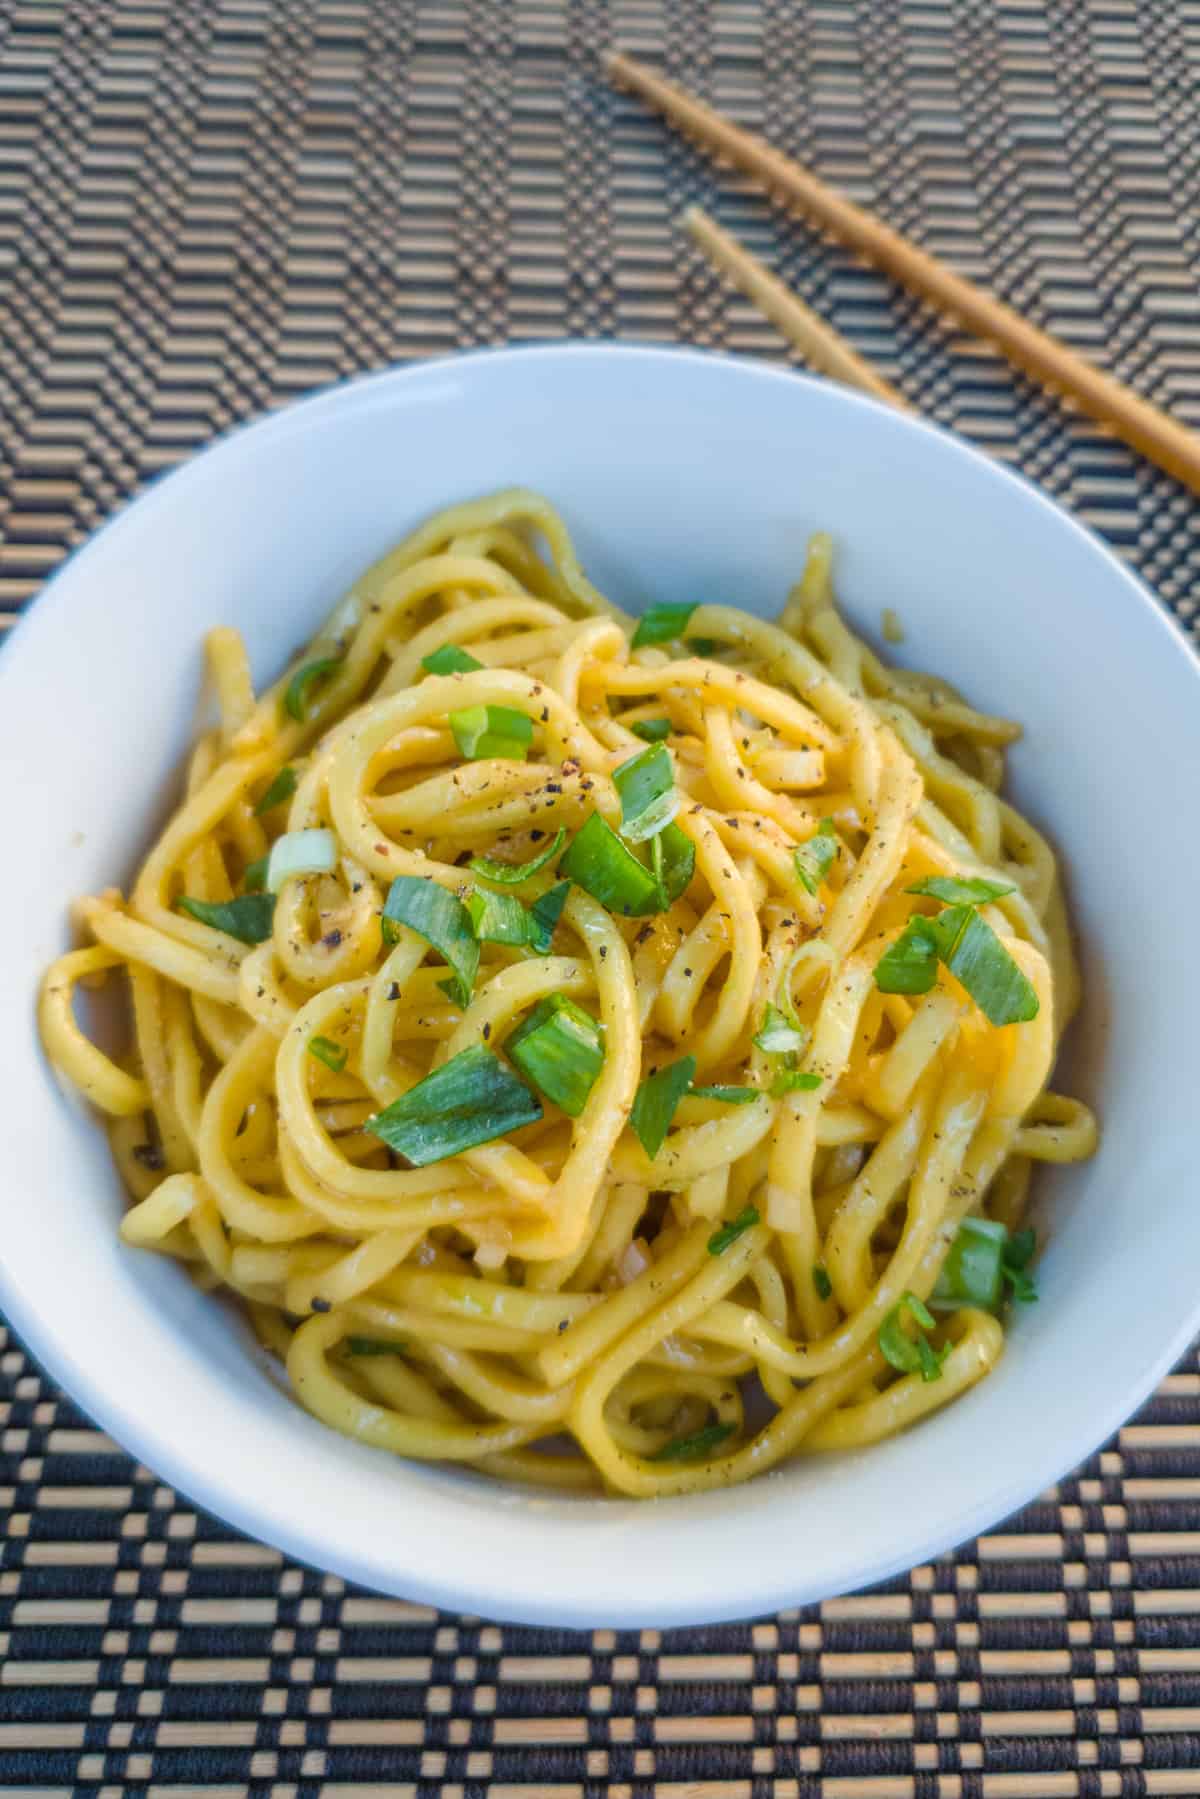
(1143, 426)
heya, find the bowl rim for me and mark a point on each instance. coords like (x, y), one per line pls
(750, 1592)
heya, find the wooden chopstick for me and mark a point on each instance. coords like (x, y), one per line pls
(818, 343)
(1142, 425)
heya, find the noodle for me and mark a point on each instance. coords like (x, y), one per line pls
(778, 1153)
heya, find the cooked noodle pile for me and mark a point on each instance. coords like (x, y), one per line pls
(603, 1056)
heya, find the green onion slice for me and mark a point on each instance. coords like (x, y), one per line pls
(544, 915)
(248, 918)
(560, 1048)
(662, 624)
(794, 1080)
(450, 660)
(511, 874)
(483, 731)
(326, 1050)
(909, 965)
(373, 1346)
(296, 696)
(970, 1274)
(673, 859)
(961, 892)
(254, 879)
(702, 646)
(814, 859)
(975, 956)
(729, 1233)
(442, 920)
(603, 866)
(911, 1353)
(300, 853)
(652, 730)
(648, 794)
(821, 1281)
(498, 917)
(726, 1096)
(696, 1447)
(776, 1036)
(471, 1099)
(281, 788)
(655, 1102)
(1014, 1263)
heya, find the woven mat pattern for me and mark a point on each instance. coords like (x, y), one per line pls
(208, 207)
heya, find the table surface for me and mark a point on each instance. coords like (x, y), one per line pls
(208, 207)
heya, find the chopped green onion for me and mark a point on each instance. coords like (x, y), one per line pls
(673, 859)
(702, 646)
(249, 918)
(296, 697)
(961, 892)
(544, 915)
(511, 874)
(441, 919)
(1014, 1262)
(821, 1281)
(726, 1096)
(498, 917)
(603, 866)
(909, 965)
(255, 877)
(776, 1037)
(794, 1080)
(975, 956)
(326, 1050)
(281, 788)
(373, 1346)
(783, 997)
(696, 1447)
(814, 859)
(970, 1274)
(450, 660)
(729, 1233)
(471, 1099)
(648, 794)
(662, 624)
(300, 853)
(560, 1048)
(483, 731)
(655, 1102)
(652, 730)
(914, 1353)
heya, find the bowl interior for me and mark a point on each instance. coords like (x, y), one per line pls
(682, 477)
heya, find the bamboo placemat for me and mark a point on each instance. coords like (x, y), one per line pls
(208, 207)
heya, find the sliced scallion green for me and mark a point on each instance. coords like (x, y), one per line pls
(777, 1037)
(821, 1281)
(655, 1102)
(491, 731)
(281, 788)
(673, 860)
(726, 1096)
(958, 891)
(471, 1099)
(326, 1050)
(544, 915)
(248, 918)
(648, 794)
(794, 1080)
(441, 919)
(511, 874)
(911, 1353)
(299, 688)
(814, 859)
(498, 917)
(662, 624)
(652, 730)
(603, 866)
(254, 879)
(1018, 1252)
(696, 1447)
(450, 660)
(909, 965)
(976, 957)
(702, 646)
(970, 1274)
(729, 1233)
(560, 1048)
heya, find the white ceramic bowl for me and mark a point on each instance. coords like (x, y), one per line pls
(683, 477)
